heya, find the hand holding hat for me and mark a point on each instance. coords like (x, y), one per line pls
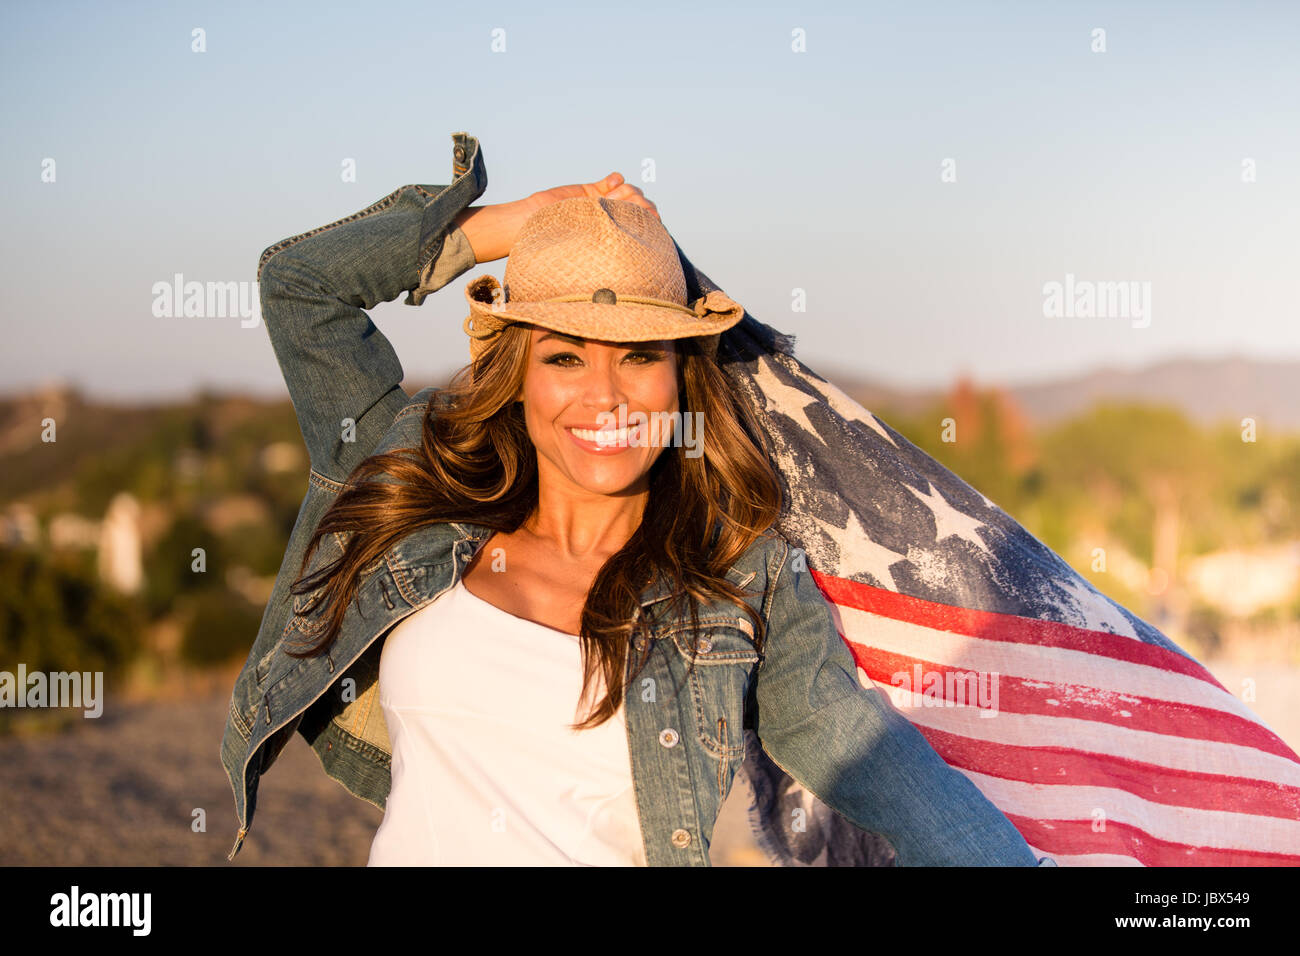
(590, 264)
(492, 230)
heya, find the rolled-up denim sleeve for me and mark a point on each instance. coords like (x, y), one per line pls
(342, 373)
(855, 752)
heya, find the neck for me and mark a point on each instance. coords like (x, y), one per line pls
(582, 525)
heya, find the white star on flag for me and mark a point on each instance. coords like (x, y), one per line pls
(783, 398)
(1097, 612)
(861, 554)
(853, 411)
(948, 521)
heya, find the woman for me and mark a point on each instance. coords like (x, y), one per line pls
(622, 583)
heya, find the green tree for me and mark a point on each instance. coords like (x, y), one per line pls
(170, 571)
(220, 625)
(56, 616)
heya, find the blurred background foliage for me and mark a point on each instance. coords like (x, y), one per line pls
(226, 474)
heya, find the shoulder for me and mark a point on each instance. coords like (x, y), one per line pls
(774, 571)
(768, 560)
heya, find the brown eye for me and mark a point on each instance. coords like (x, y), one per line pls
(555, 359)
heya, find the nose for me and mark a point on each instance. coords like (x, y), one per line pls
(602, 387)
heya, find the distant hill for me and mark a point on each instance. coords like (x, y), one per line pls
(1206, 390)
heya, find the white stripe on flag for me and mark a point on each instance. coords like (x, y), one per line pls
(1209, 828)
(1052, 665)
(1085, 736)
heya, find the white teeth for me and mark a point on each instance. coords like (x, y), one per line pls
(615, 437)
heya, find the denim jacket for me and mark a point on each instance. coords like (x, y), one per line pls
(703, 692)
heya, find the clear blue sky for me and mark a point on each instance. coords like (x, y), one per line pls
(775, 170)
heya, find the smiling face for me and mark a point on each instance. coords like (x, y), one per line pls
(575, 389)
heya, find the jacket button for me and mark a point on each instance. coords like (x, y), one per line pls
(668, 737)
(681, 839)
(639, 643)
(459, 153)
(706, 645)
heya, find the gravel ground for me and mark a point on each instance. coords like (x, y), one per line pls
(122, 790)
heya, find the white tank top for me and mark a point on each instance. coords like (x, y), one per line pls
(485, 771)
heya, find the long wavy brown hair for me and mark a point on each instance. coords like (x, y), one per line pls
(477, 463)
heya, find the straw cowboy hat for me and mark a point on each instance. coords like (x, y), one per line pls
(600, 269)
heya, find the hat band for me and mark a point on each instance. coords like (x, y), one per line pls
(637, 299)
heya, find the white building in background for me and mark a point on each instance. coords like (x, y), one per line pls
(1242, 582)
(120, 563)
(72, 532)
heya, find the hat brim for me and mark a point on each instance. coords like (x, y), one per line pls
(622, 322)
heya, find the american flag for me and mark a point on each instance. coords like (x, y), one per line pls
(1110, 746)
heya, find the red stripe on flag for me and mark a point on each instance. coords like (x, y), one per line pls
(1017, 695)
(1061, 766)
(1010, 628)
(1073, 837)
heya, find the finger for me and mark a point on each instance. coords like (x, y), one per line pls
(601, 187)
(612, 181)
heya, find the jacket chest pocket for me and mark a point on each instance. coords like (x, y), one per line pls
(720, 660)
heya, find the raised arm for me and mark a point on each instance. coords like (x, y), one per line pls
(341, 372)
(858, 754)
